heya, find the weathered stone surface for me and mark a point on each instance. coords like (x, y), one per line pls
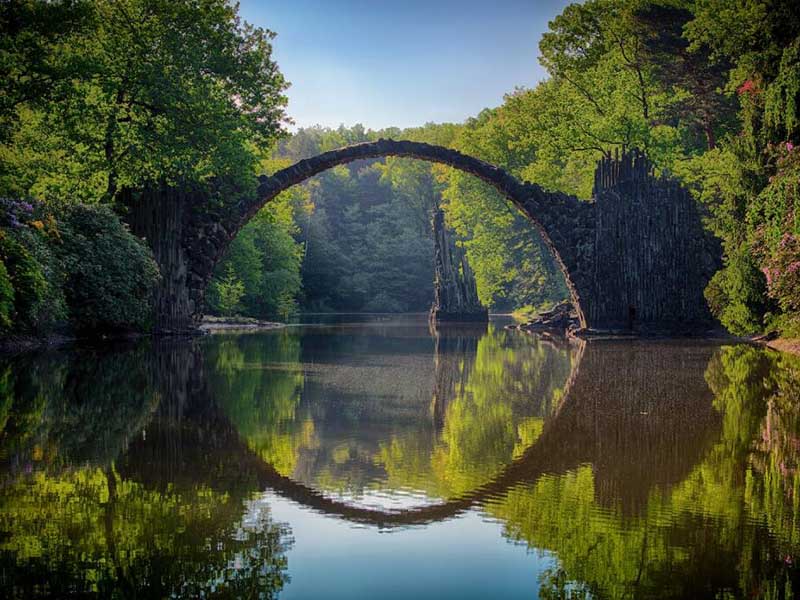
(652, 258)
(455, 290)
(634, 257)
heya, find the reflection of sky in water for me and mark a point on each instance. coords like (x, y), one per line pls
(387, 499)
(460, 558)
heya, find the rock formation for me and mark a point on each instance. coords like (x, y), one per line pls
(455, 291)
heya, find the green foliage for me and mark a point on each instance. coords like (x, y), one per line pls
(33, 49)
(109, 272)
(364, 228)
(6, 298)
(709, 90)
(27, 278)
(736, 294)
(263, 404)
(123, 94)
(228, 293)
(754, 210)
(511, 263)
(734, 514)
(602, 95)
(134, 91)
(35, 276)
(260, 273)
(85, 521)
(87, 269)
(485, 386)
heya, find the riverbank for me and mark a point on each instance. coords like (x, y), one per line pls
(790, 345)
(17, 344)
(217, 324)
(20, 344)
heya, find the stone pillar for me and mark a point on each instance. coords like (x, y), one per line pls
(158, 215)
(652, 257)
(455, 290)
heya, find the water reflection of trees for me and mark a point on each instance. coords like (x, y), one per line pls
(60, 408)
(77, 517)
(670, 470)
(728, 527)
(257, 383)
(346, 422)
(491, 397)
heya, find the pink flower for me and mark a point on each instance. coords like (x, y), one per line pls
(789, 146)
(748, 87)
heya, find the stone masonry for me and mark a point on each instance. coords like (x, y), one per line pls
(634, 257)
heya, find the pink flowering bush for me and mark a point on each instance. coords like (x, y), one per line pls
(775, 239)
(748, 87)
(782, 271)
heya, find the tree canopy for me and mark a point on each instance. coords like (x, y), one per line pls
(107, 93)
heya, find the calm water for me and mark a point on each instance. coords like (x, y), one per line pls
(380, 459)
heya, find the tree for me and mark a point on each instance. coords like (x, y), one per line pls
(163, 90)
(749, 182)
(692, 74)
(35, 55)
(265, 259)
(364, 228)
(230, 291)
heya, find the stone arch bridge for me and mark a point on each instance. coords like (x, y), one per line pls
(634, 257)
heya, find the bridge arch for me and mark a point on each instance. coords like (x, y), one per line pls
(635, 256)
(547, 211)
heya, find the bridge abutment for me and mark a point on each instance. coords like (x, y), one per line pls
(186, 238)
(652, 257)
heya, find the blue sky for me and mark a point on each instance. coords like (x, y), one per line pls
(402, 63)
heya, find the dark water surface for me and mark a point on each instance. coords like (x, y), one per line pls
(379, 459)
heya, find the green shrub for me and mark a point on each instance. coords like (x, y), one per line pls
(109, 272)
(228, 294)
(736, 294)
(6, 298)
(35, 279)
(26, 276)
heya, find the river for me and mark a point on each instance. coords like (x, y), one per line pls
(373, 457)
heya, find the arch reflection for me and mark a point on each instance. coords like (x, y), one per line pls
(647, 469)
